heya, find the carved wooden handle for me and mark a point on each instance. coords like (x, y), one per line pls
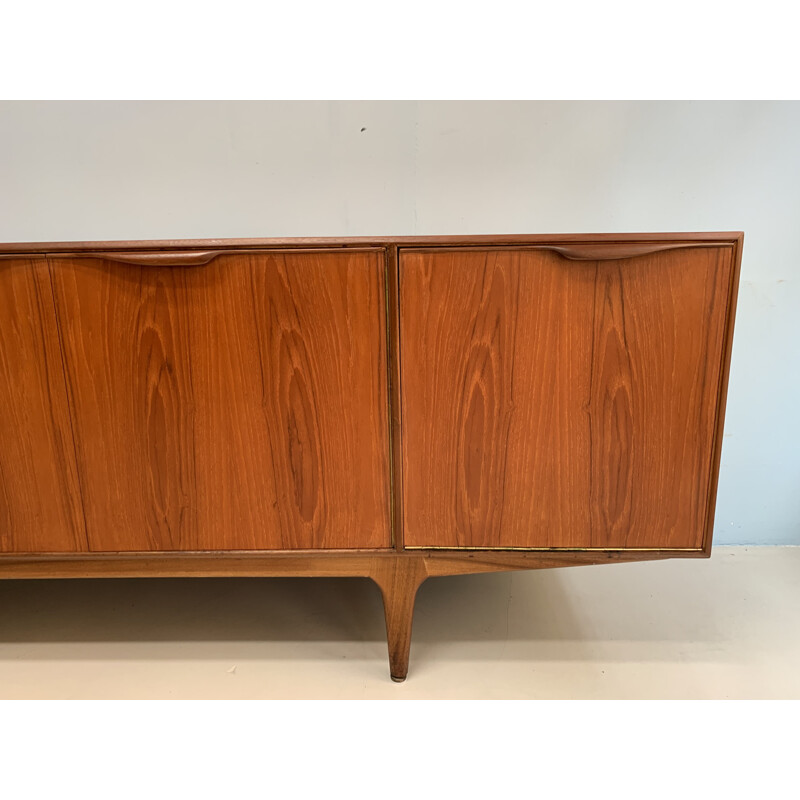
(197, 258)
(178, 258)
(612, 250)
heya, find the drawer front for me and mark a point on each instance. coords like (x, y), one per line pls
(238, 404)
(559, 403)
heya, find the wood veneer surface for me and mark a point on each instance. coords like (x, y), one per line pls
(550, 402)
(236, 405)
(40, 505)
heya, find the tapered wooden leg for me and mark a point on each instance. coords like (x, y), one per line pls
(399, 579)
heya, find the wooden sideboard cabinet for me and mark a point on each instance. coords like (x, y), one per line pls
(395, 408)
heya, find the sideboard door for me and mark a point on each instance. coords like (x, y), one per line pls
(40, 506)
(549, 402)
(239, 404)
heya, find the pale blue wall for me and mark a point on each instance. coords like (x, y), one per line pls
(141, 170)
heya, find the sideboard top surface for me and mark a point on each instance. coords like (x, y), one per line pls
(24, 248)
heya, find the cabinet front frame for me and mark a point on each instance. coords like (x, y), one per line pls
(349, 561)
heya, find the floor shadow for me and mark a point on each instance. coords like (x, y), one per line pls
(190, 609)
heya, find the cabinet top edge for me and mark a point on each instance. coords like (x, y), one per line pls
(23, 248)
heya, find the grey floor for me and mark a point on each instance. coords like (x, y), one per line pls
(728, 627)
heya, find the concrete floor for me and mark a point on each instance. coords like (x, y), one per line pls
(728, 627)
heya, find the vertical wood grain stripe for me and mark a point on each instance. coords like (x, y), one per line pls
(40, 506)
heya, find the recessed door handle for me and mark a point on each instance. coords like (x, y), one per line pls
(197, 258)
(176, 258)
(611, 251)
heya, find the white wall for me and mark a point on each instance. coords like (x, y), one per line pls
(182, 170)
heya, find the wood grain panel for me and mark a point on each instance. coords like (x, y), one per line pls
(40, 504)
(557, 403)
(235, 405)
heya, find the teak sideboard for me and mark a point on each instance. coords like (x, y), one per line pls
(396, 408)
